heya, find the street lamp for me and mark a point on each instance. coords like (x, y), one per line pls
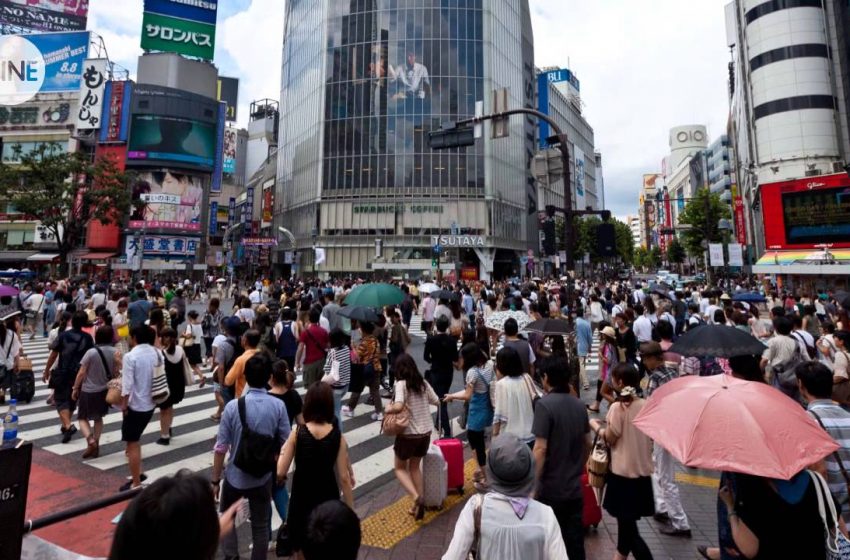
(725, 227)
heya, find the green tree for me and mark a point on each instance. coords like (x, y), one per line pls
(676, 253)
(653, 258)
(702, 213)
(65, 192)
(625, 242)
(641, 258)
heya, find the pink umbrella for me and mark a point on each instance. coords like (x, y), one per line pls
(727, 424)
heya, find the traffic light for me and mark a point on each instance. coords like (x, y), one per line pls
(549, 237)
(434, 263)
(450, 136)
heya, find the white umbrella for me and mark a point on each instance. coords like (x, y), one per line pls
(496, 321)
(428, 287)
(221, 280)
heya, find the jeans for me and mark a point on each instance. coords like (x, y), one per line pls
(441, 384)
(338, 394)
(259, 502)
(630, 541)
(568, 513)
(280, 499)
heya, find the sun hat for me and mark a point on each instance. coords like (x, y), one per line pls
(609, 332)
(510, 467)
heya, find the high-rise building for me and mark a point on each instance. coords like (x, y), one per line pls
(363, 83)
(789, 78)
(634, 225)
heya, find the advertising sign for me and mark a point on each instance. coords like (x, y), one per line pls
(64, 57)
(116, 112)
(218, 168)
(268, 203)
(740, 220)
(181, 36)
(90, 110)
(20, 16)
(736, 255)
(193, 10)
(213, 217)
(715, 254)
(229, 155)
(580, 177)
(228, 91)
(173, 201)
(259, 241)
(40, 115)
(155, 138)
(162, 245)
(248, 207)
(231, 212)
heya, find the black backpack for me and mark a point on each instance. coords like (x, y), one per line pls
(237, 351)
(256, 453)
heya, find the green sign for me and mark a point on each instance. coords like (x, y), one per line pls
(181, 36)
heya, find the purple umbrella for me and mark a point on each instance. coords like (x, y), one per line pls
(8, 290)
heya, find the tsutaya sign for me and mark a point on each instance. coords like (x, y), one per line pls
(457, 240)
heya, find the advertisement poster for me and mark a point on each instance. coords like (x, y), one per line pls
(228, 91)
(268, 203)
(740, 221)
(229, 151)
(91, 94)
(64, 57)
(715, 254)
(580, 174)
(21, 16)
(179, 210)
(736, 255)
(181, 36)
(172, 139)
(218, 167)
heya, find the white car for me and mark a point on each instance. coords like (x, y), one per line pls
(661, 275)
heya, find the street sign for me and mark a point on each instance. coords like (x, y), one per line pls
(438, 249)
(501, 126)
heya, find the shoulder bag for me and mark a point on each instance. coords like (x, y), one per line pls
(475, 548)
(841, 391)
(837, 545)
(159, 386)
(332, 377)
(188, 372)
(598, 462)
(532, 390)
(256, 453)
(395, 423)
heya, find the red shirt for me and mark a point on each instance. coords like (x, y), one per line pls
(315, 341)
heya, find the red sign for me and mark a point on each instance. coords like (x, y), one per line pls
(804, 213)
(116, 104)
(469, 273)
(100, 236)
(740, 221)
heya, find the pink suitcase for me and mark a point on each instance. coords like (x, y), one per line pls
(591, 514)
(453, 453)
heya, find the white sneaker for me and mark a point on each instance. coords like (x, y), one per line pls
(347, 411)
(377, 416)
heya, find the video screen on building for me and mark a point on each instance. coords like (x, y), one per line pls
(167, 200)
(174, 140)
(817, 216)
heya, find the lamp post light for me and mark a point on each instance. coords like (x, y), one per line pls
(725, 227)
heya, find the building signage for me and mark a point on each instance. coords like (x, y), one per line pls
(268, 203)
(64, 58)
(55, 114)
(248, 207)
(194, 10)
(231, 212)
(736, 255)
(116, 115)
(259, 241)
(213, 217)
(740, 220)
(469, 241)
(715, 254)
(20, 16)
(170, 34)
(218, 165)
(394, 208)
(166, 245)
(228, 91)
(91, 94)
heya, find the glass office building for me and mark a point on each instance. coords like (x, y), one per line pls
(364, 82)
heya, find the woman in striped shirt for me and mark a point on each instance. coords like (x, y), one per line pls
(413, 392)
(341, 353)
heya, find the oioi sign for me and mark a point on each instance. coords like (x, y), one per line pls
(22, 70)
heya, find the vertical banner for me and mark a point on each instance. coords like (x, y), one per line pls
(579, 178)
(218, 166)
(92, 89)
(213, 217)
(231, 212)
(268, 203)
(116, 112)
(736, 255)
(740, 221)
(248, 208)
(715, 254)
(668, 217)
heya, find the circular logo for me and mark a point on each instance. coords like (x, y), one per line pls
(22, 70)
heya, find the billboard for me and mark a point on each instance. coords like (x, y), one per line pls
(172, 200)
(807, 212)
(228, 91)
(229, 151)
(163, 139)
(89, 112)
(64, 57)
(181, 36)
(580, 176)
(203, 11)
(116, 111)
(268, 203)
(21, 16)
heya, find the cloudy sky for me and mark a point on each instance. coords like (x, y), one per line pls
(644, 65)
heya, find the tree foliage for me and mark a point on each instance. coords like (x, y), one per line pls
(65, 191)
(675, 252)
(586, 239)
(703, 217)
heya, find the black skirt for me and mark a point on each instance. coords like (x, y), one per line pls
(628, 498)
(193, 354)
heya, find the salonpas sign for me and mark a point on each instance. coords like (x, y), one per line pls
(169, 34)
(458, 240)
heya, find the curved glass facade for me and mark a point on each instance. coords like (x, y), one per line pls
(395, 71)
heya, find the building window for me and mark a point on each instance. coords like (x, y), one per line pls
(794, 104)
(777, 5)
(12, 151)
(788, 53)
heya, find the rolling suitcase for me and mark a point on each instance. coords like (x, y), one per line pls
(452, 449)
(23, 386)
(434, 477)
(591, 514)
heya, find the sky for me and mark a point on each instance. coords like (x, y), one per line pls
(645, 66)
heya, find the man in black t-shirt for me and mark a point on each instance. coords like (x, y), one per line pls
(441, 353)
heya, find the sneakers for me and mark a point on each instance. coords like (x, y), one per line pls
(68, 433)
(347, 411)
(673, 532)
(377, 416)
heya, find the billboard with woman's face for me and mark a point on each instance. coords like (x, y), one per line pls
(171, 201)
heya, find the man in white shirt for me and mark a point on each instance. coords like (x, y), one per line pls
(642, 326)
(98, 298)
(34, 308)
(413, 76)
(256, 297)
(136, 389)
(428, 308)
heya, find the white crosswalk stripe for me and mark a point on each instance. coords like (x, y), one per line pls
(194, 433)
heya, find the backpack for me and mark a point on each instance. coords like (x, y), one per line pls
(287, 346)
(206, 323)
(256, 453)
(784, 377)
(269, 342)
(811, 350)
(237, 351)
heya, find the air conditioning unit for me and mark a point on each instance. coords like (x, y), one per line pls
(813, 172)
(838, 167)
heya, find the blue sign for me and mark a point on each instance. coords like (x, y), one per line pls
(64, 55)
(218, 166)
(194, 10)
(231, 212)
(213, 217)
(543, 81)
(563, 75)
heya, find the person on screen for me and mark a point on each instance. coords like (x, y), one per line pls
(173, 133)
(183, 186)
(413, 77)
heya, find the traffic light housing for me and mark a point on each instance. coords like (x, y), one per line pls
(448, 138)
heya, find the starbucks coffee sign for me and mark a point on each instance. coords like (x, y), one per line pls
(391, 208)
(463, 241)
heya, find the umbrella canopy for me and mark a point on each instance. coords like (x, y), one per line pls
(549, 326)
(659, 291)
(719, 341)
(752, 297)
(359, 313)
(496, 321)
(428, 287)
(9, 311)
(375, 295)
(727, 424)
(8, 290)
(843, 299)
(445, 294)
(220, 280)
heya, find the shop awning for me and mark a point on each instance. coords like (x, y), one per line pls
(15, 256)
(96, 256)
(43, 257)
(831, 262)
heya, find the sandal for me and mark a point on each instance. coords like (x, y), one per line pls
(592, 409)
(420, 508)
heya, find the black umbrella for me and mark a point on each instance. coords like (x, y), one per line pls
(445, 294)
(660, 292)
(549, 327)
(359, 313)
(843, 299)
(719, 341)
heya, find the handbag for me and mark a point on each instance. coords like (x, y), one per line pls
(395, 423)
(598, 462)
(159, 386)
(24, 363)
(188, 372)
(475, 547)
(532, 390)
(124, 330)
(113, 391)
(283, 544)
(332, 377)
(837, 545)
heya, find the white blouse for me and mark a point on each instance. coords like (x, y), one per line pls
(514, 408)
